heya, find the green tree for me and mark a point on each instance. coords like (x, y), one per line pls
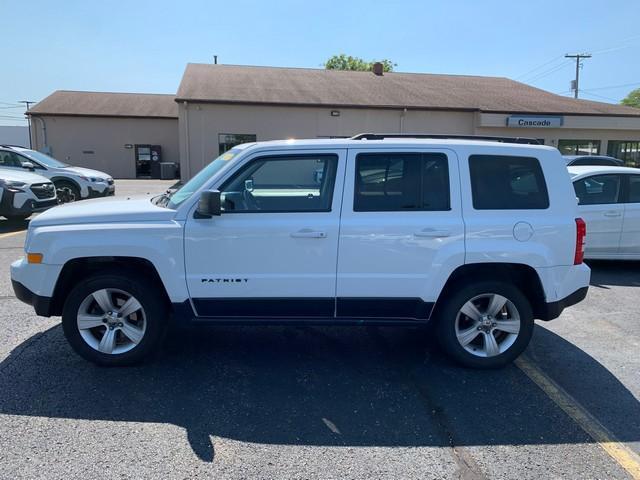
(633, 99)
(347, 62)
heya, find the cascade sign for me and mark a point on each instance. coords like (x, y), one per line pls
(534, 121)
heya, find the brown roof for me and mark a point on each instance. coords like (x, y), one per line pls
(333, 88)
(103, 104)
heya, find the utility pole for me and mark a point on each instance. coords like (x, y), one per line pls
(28, 104)
(577, 56)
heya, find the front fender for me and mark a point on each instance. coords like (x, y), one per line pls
(161, 243)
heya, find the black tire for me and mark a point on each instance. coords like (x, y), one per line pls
(72, 189)
(155, 308)
(447, 314)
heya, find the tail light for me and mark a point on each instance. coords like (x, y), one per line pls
(581, 233)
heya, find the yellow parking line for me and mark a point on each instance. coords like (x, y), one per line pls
(11, 234)
(625, 457)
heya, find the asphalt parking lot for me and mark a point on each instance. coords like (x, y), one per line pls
(330, 402)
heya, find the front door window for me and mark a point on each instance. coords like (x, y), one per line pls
(282, 184)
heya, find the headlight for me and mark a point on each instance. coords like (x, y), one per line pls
(97, 179)
(13, 186)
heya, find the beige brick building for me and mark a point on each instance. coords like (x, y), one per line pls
(217, 106)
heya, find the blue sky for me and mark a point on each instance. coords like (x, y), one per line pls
(143, 46)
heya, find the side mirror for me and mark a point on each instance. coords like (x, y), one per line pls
(209, 204)
(28, 166)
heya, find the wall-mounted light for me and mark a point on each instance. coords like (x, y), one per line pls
(128, 145)
(335, 113)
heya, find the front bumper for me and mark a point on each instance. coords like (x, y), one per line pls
(30, 205)
(97, 190)
(42, 305)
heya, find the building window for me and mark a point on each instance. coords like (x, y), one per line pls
(626, 150)
(579, 147)
(226, 141)
(507, 183)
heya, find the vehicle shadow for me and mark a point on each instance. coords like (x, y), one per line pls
(624, 273)
(307, 386)
(9, 226)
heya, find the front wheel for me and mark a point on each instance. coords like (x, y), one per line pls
(114, 320)
(67, 192)
(485, 325)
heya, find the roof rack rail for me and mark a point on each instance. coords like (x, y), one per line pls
(382, 136)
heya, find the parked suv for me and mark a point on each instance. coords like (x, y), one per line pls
(72, 183)
(23, 193)
(479, 237)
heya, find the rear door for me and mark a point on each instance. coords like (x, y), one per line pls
(630, 238)
(600, 205)
(401, 231)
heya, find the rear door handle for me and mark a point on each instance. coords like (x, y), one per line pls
(308, 233)
(612, 214)
(432, 233)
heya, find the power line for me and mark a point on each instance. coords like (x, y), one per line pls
(548, 72)
(622, 45)
(611, 87)
(538, 67)
(599, 96)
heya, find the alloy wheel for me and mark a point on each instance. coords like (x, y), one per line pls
(111, 321)
(487, 325)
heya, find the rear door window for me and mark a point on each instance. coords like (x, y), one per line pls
(401, 181)
(507, 183)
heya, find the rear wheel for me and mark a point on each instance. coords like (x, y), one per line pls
(114, 320)
(485, 325)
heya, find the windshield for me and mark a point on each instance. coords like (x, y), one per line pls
(180, 195)
(43, 159)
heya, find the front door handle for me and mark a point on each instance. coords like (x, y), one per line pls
(308, 233)
(612, 214)
(433, 233)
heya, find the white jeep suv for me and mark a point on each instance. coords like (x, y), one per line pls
(478, 237)
(72, 183)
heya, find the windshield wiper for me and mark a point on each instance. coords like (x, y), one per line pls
(163, 198)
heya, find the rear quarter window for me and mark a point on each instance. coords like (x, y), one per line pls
(507, 183)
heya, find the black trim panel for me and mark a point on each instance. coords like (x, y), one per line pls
(355, 309)
(264, 307)
(390, 308)
(42, 305)
(552, 310)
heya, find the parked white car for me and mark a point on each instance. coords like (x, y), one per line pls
(480, 237)
(72, 183)
(23, 193)
(609, 201)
